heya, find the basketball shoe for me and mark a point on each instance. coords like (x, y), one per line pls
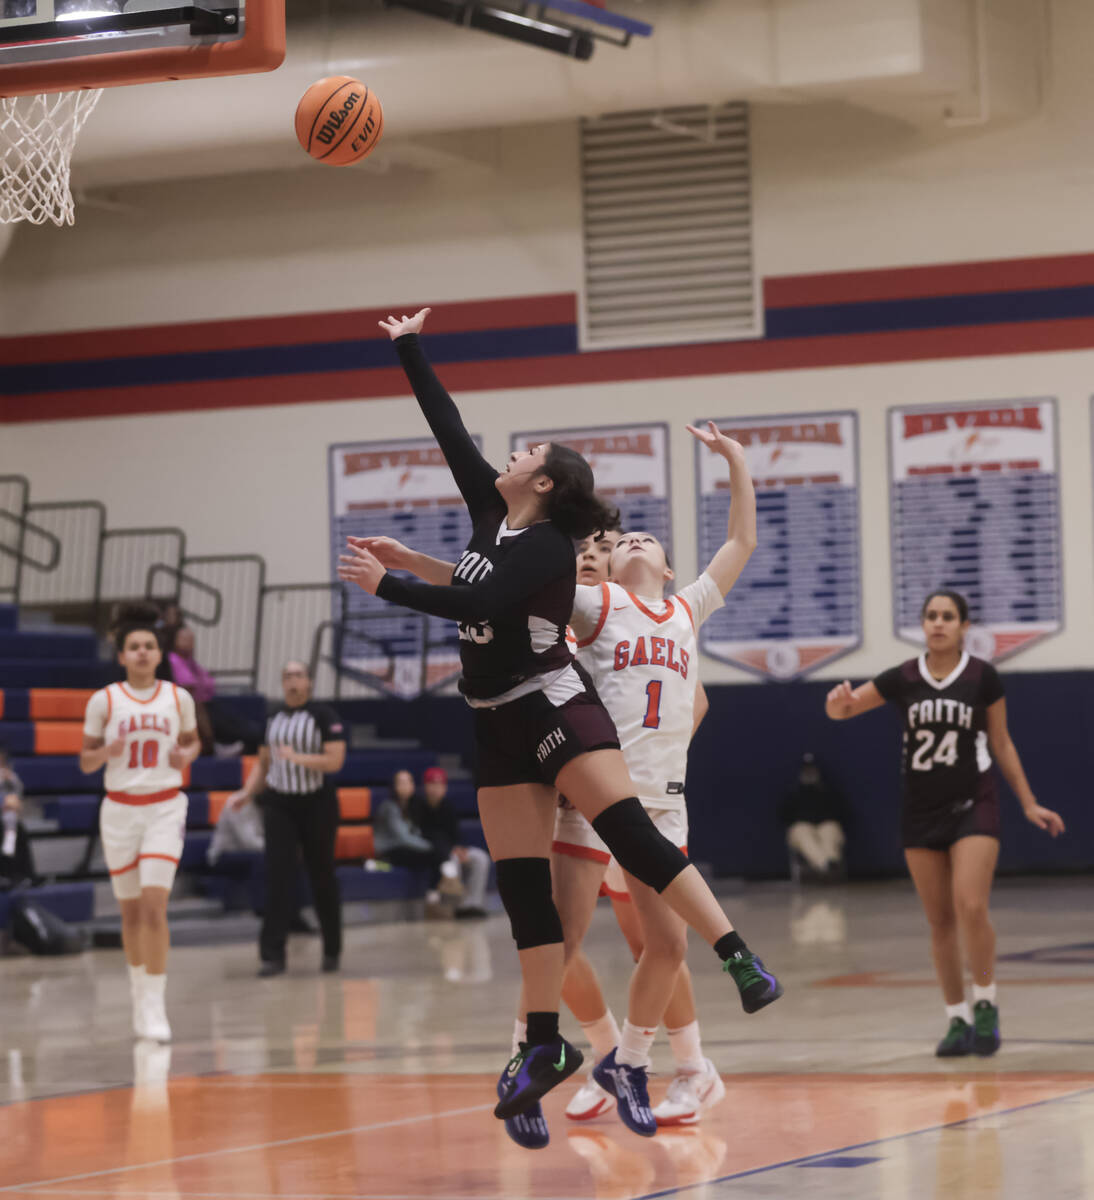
(532, 1072)
(529, 1128)
(985, 1028)
(589, 1101)
(630, 1088)
(958, 1040)
(689, 1094)
(757, 985)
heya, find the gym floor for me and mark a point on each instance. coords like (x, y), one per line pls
(379, 1083)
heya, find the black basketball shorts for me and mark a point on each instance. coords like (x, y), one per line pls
(530, 740)
(939, 827)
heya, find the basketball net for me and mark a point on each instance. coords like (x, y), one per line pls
(37, 137)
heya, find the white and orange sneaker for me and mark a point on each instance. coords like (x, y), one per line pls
(689, 1095)
(589, 1101)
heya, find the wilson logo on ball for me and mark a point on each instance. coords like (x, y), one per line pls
(336, 118)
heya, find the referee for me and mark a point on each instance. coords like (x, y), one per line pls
(304, 744)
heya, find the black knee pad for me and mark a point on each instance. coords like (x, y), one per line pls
(524, 885)
(638, 844)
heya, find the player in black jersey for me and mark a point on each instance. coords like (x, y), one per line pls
(955, 719)
(539, 724)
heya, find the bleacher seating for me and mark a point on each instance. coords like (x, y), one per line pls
(46, 679)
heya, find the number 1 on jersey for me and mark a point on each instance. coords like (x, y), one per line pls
(653, 705)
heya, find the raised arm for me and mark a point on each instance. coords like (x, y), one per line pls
(843, 702)
(729, 561)
(474, 476)
(528, 567)
(397, 557)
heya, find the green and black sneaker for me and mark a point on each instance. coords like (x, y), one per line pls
(757, 985)
(985, 1028)
(958, 1040)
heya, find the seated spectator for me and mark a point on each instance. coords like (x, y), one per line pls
(16, 859)
(399, 841)
(9, 781)
(434, 815)
(221, 730)
(814, 817)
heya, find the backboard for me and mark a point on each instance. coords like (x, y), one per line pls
(66, 45)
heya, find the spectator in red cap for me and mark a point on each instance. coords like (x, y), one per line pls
(436, 818)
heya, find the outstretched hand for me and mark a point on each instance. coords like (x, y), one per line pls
(397, 326)
(362, 567)
(1044, 818)
(389, 552)
(714, 439)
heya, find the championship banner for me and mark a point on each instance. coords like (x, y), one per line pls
(631, 467)
(402, 489)
(798, 602)
(975, 507)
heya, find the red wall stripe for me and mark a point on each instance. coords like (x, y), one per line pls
(909, 283)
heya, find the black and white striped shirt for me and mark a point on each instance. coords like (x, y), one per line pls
(303, 729)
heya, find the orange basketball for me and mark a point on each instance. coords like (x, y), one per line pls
(339, 120)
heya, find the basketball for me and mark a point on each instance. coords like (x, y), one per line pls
(339, 120)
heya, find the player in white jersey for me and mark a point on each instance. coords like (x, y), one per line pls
(578, 851)
(145, 733)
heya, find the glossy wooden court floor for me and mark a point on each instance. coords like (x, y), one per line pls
(379, 1083)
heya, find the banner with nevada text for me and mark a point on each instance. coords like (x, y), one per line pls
(798, 602)
(975, 506)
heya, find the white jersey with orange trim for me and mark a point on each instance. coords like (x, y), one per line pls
(641, 654)
(151, 721)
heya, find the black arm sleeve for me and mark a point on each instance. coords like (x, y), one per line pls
(474, 476)
(888, 683)
(532, 564)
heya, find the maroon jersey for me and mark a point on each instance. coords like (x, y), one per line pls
(946, 763)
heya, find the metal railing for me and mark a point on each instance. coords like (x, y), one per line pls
(59, 557)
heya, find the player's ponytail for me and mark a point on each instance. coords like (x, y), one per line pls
(572, 504)
(959, 602)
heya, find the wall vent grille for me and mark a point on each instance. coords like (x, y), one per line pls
(667, 223)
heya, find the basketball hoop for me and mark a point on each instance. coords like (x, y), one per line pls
(37, 137)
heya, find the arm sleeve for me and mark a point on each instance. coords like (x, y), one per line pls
(703, 598)
(95, 715)
(530, 565)
(330, 724)
(588, 604)
(188, 720)
(474, 476)
(888, 684)
(991, 685)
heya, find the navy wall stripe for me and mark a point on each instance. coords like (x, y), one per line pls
(888, 316)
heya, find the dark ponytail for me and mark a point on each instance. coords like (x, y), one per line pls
(960, 603)
(572, 504)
